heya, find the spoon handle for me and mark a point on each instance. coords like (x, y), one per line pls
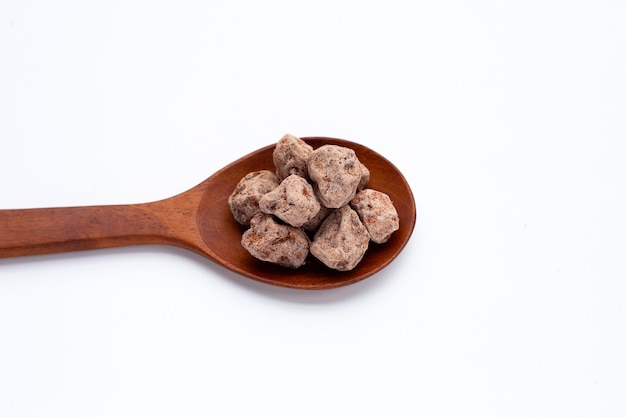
(53, 230)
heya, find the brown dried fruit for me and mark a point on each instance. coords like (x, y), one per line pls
(337, 172)
(365, 177)
(292, 201)
(341, 241)
(244, 200)
(378, 214)
(290, 157)
(270, 241)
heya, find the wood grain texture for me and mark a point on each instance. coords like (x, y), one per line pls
(200, 220)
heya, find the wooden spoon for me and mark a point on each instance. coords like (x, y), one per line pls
(200, 220)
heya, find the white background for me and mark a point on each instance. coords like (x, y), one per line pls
(507, 118)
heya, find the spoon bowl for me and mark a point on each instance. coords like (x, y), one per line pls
(200, 220)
